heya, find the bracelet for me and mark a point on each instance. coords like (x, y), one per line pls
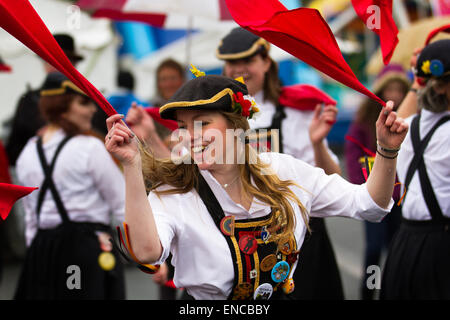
(414, 90)
(384, 156)
(387, 150)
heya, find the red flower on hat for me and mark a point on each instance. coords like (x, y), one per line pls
(242, 105)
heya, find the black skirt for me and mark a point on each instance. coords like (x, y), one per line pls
(418, 262)
(49, 265)
(317, 275)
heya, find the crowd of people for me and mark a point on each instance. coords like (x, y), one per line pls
(249, 228)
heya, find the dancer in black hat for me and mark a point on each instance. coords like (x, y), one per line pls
(27, 119)
(418, 263)
(234, 219)
(247, 55)
(69, 253)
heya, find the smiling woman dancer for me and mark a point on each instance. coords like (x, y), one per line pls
(234, 228)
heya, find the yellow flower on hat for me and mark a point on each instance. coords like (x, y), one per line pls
(426, 67)
(197, 73)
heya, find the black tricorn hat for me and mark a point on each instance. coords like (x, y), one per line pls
(67, 43)
(434, 60)
(240, 44)
(210, 92)
(58, 84)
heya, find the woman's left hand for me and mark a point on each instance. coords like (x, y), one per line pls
(322, 122)
(391, 129)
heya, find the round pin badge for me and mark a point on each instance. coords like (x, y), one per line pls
(107, 261)
(280, 271)
(286, 245)
(268, 262)
(227, 225)
(263, 292)
(248, 244)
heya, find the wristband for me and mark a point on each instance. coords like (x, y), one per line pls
(387, 150)
(414, 90)
(384, 156)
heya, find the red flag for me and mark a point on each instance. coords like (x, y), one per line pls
(20, 20)
(302, 32)
(9, 194)
(304, 97)
(377, 16)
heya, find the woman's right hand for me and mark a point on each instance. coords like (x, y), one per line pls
(120, 141)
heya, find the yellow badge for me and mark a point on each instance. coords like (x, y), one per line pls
(288, 286)
(107, 261)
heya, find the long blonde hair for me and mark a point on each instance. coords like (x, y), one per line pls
(267, 188)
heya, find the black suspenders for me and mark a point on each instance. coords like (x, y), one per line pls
(257, 262)
(48, 182)
(418, 163)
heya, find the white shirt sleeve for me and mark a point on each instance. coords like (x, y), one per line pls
(108, 178)
(327, 195)
(168, 214)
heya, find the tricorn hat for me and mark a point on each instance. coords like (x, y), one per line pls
(240, 44)
(209, 92)
(58, 84)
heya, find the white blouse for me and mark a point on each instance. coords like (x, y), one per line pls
(437, 161)
(89, 182)
(295, 129)
(200, 252)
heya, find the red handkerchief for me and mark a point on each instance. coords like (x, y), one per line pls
(304, 97)
(302, 32)
(9, 194)
(20, 20)
(377, 16)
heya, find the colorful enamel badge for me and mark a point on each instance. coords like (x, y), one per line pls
(248, 244)
(286, 245)
(265, 234)
(227, 225)
(280, 271)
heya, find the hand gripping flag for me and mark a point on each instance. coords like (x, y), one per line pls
(377, 16)
(9, 194)
(20, 20)
(301, 32)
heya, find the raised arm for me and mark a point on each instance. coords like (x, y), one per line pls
(391, 131)
(123, 145)
(319, 128)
